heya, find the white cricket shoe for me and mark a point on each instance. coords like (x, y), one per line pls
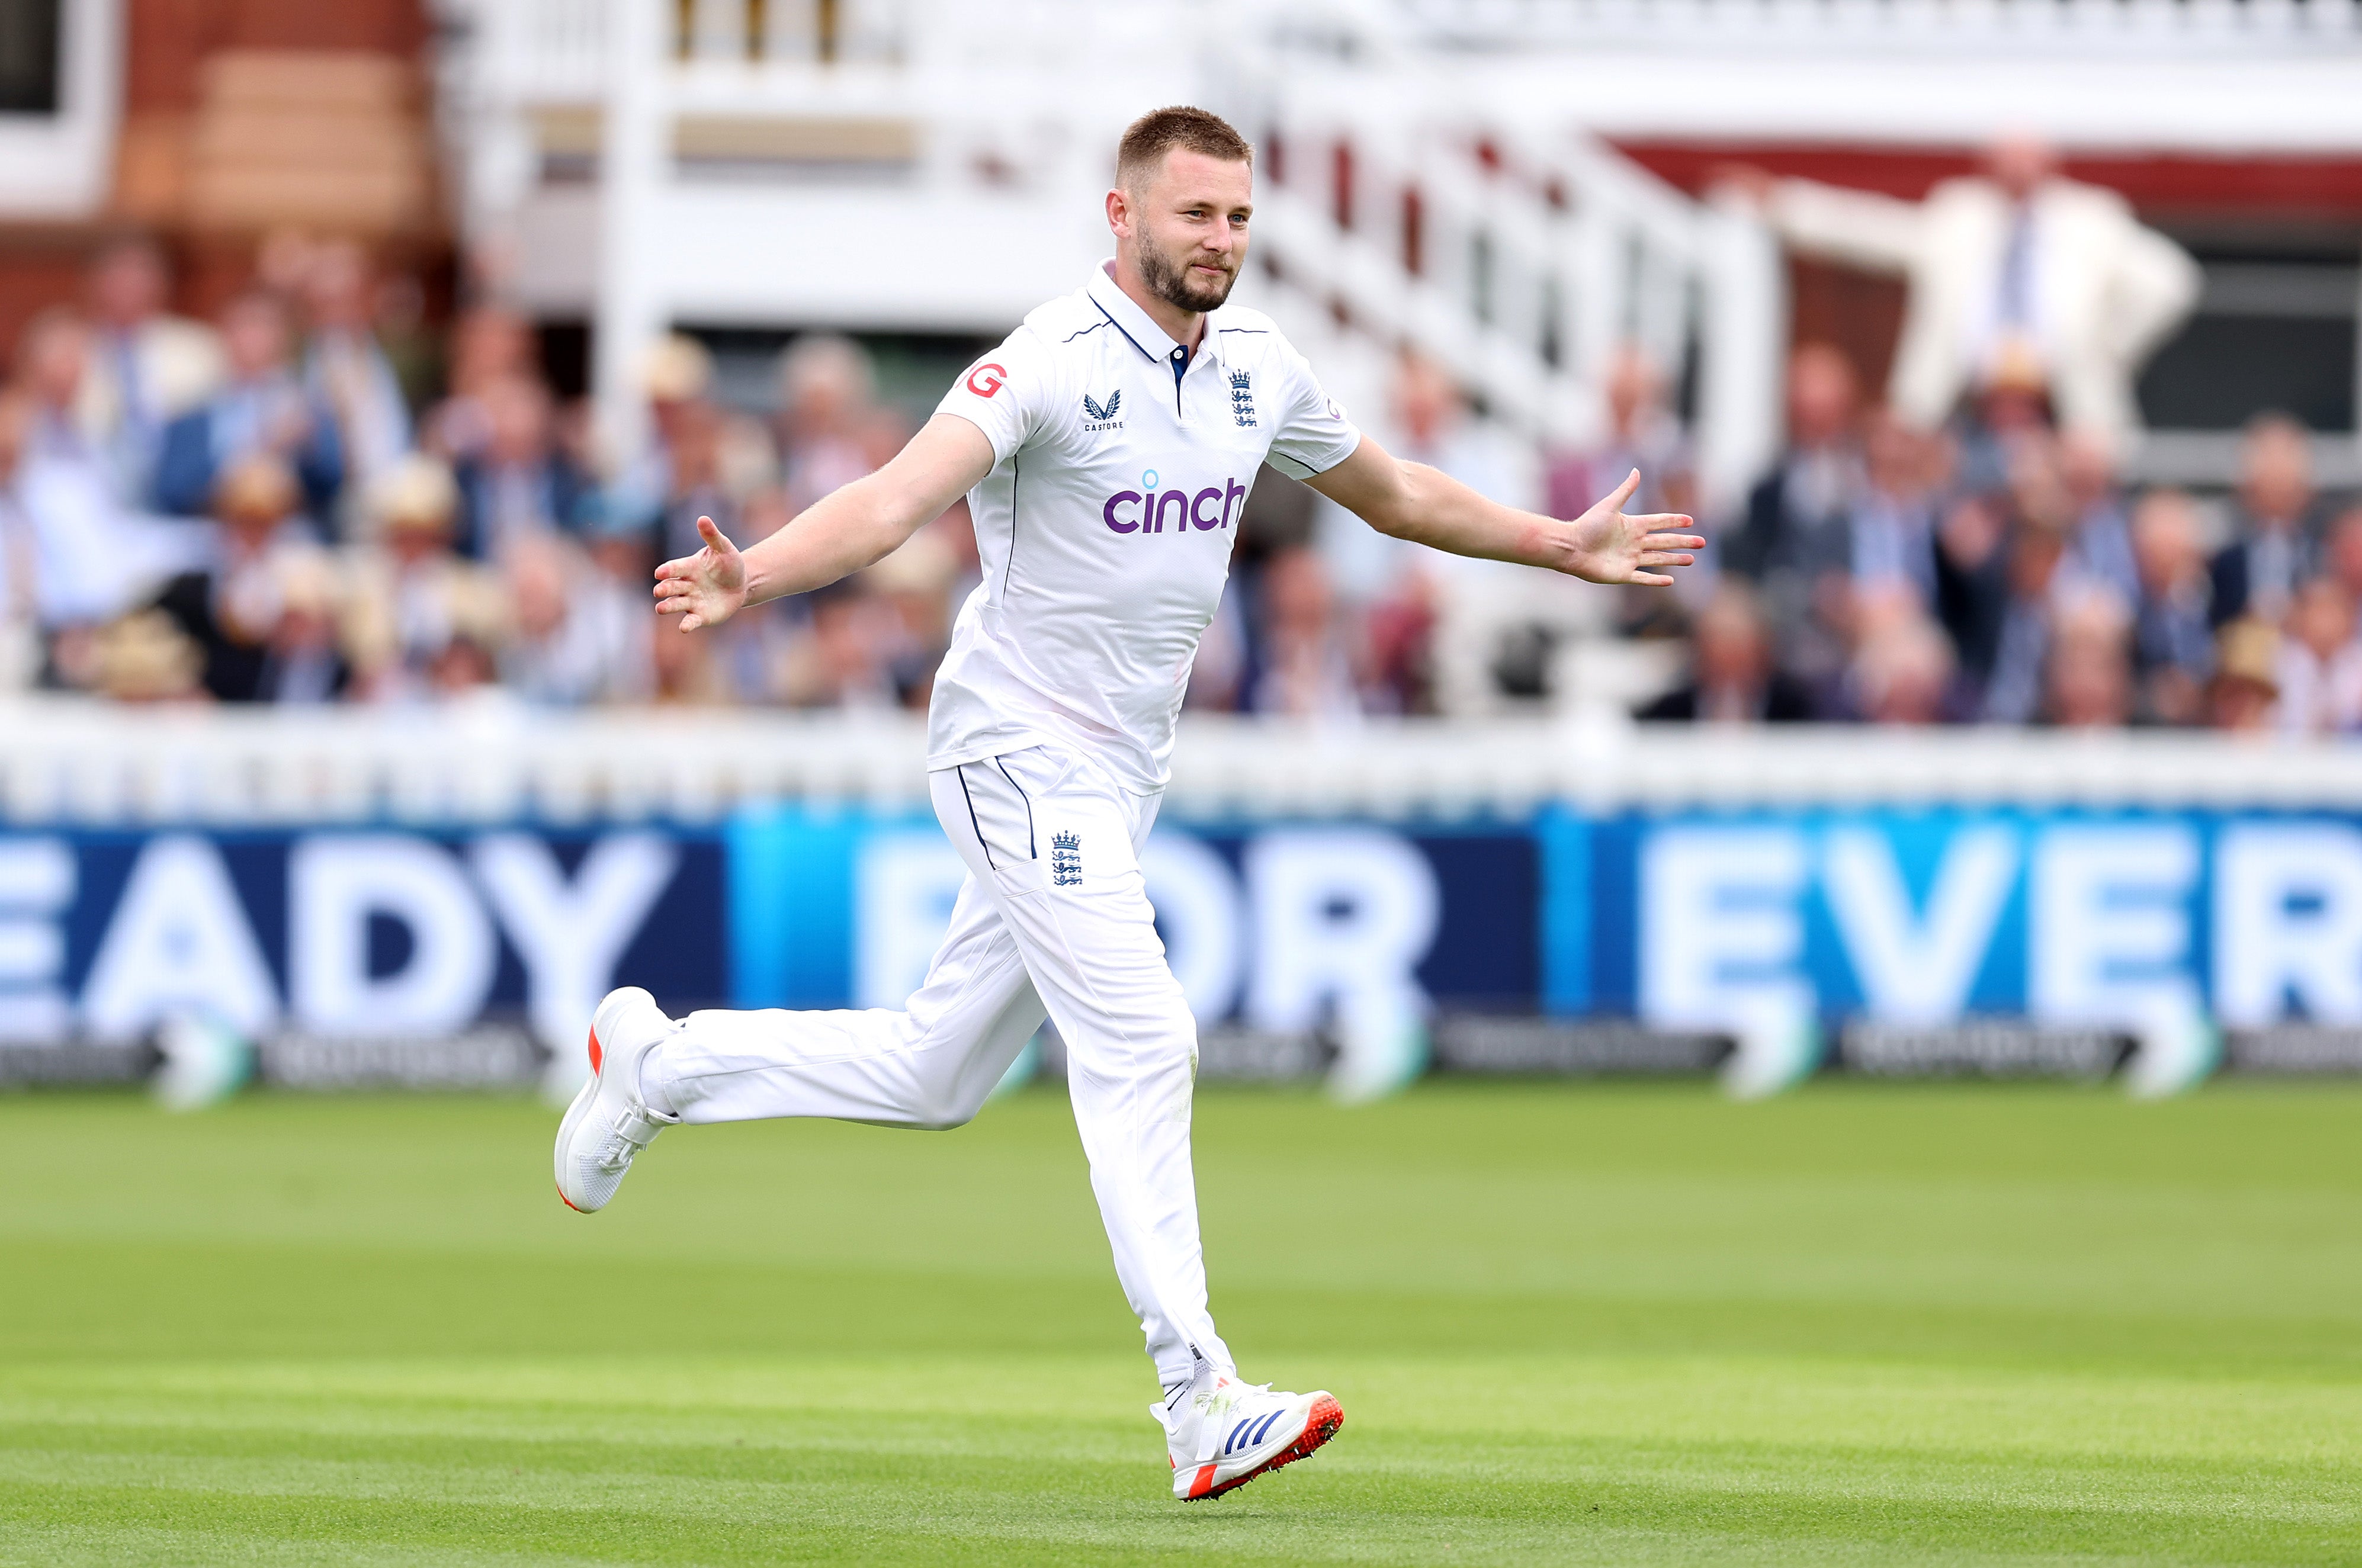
(609, 1124)
(1220, 1432)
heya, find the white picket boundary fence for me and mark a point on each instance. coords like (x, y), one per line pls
(70, 761)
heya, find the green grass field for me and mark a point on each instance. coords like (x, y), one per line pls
(1621, 1325)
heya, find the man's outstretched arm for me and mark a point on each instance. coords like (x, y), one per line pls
(850, 528)
(1426, 506)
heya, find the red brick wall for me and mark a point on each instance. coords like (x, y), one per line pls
(167, 43)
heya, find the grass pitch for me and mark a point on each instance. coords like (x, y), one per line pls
(1625, 1325)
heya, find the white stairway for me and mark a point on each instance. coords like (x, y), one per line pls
(936, 165)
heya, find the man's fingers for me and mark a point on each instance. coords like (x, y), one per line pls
(1664, 558)
(1673, 542)
(692, 622)
(712, 538)
(1622, 492)
(1651, 580)
(1663, 522)
(671, 606)
(673, 588)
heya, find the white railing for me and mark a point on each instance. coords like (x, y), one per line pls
(1530, 258)
(1522, 261)
(74, 761)
(2204, 28)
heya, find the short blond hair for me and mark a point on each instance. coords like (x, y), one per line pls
(1148, 138)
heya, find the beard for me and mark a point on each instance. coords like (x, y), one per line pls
(1172, 282)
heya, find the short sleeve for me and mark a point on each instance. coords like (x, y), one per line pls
(1314, 435)
(1004, 393)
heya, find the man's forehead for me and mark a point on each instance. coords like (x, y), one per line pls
(1185, 175)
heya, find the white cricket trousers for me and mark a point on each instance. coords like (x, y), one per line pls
(1054, 914)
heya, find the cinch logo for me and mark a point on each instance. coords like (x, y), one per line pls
(1147, 510)
(986, 379)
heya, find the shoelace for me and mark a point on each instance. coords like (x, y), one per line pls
(617, 1151)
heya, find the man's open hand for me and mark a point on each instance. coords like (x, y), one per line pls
(1605, 546)
(708, 588)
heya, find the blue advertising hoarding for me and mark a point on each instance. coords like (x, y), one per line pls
(1680, 919)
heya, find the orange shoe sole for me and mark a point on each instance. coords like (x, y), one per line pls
(596, 1062)
(1326, 1417)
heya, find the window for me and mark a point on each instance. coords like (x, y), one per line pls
(30, 66)
(2275, 328)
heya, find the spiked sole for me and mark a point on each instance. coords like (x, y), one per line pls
(1319, 1426)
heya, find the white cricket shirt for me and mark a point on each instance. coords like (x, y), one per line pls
(1106, 525)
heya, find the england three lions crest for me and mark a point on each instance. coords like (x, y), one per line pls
(1065, 860)
(1242, 408)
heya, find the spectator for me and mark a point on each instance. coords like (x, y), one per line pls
(579, 636)
(148, 368)
(306, 662)
(263, 409)
(1795, 545)
(693, 469)
(20, 638)
(1902, 673)
(647, 487)
(1482, 609)
(89, 558)
(262, 612)
(143, 657)
(1891, 525)
(2256, 574)
(2087, 675)
(828, 401)
(489, 344)
(2100, 549)
(2013, 691)
(2244, 693)
(518, 484)
(1643, 433)
(1299, 666)
(2320, 664)
(2016, 262)
(2341, 554)
(838, 658)
(1732, 679)
(413, 596)
(1972, 580)
(346, 369)
(913, 587)
(2172, 643)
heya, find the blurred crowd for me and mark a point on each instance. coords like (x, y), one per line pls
(314, 499)
(310, 499)
(1998, 572)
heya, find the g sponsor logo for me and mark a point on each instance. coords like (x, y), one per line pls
(1147, 510)
(987, 378)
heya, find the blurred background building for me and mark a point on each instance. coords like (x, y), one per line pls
(366, 357)
(1914, 302)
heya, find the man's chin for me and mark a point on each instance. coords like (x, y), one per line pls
(1204, 297)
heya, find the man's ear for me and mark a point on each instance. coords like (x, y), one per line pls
(1119, 212)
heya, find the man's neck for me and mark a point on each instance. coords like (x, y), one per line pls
(1184, 326)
